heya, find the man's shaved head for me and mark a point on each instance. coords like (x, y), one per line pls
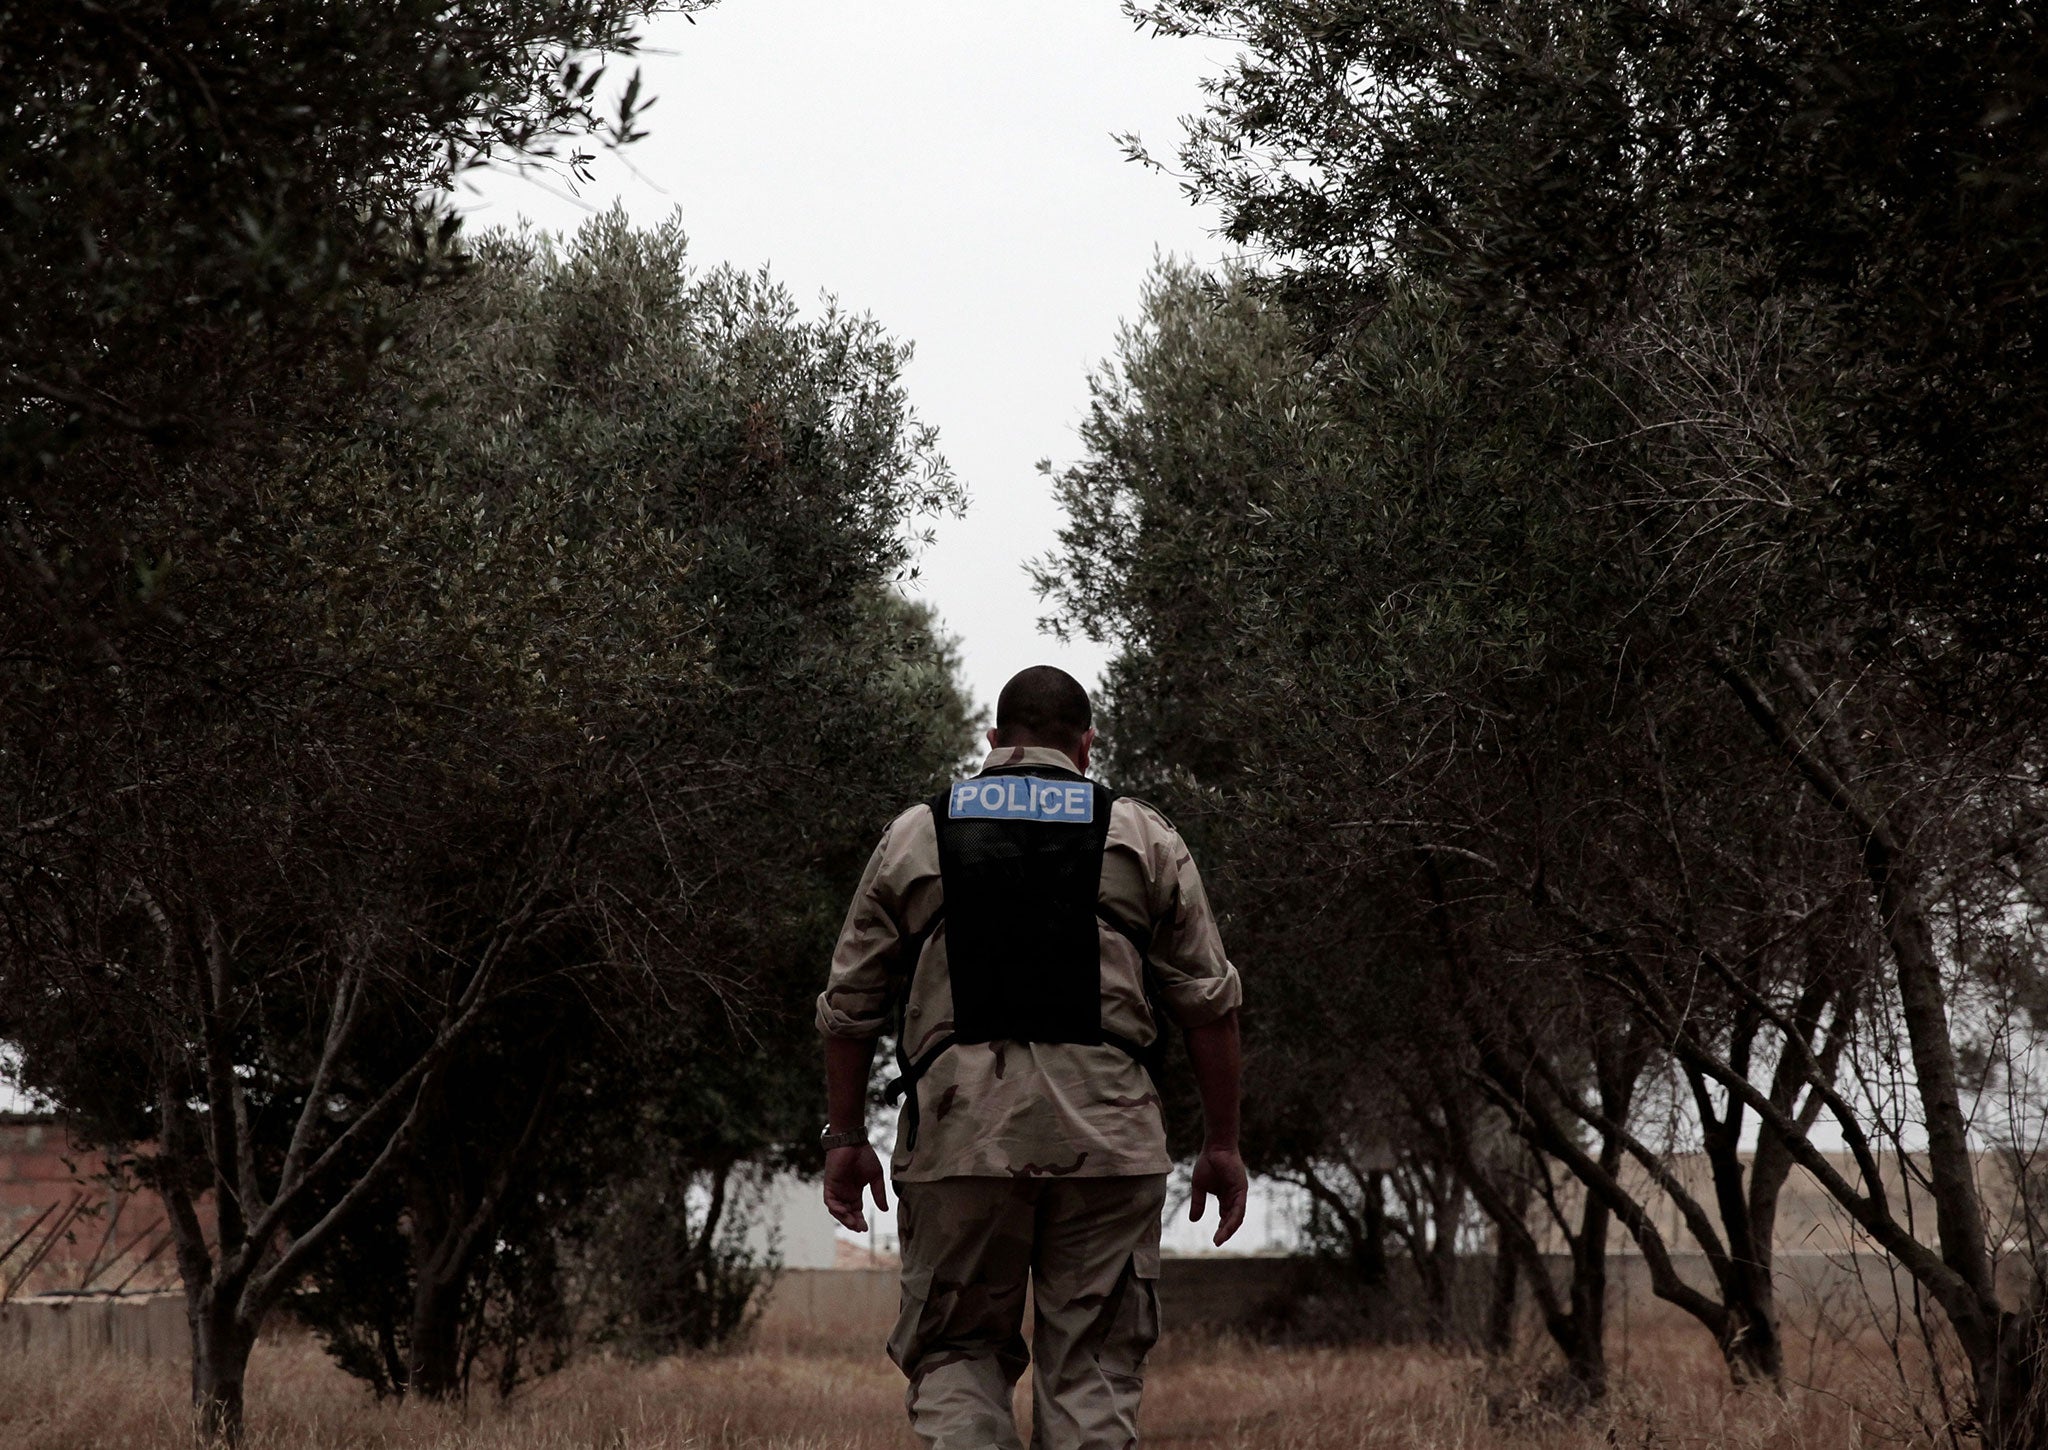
(1043, 706)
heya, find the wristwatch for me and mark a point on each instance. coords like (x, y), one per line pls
(851, 1138)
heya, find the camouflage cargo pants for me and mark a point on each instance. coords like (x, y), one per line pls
(1090, 1249)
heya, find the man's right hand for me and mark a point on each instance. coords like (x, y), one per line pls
(1217, 1058)
(847, 1172)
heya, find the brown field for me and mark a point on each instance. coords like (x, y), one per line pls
(1203, 1393)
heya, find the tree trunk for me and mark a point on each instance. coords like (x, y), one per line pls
(2002, 1358)
(440, 1205)
(1369, 1249)
(1761, 1349)
(1749, 1341)
(394, 1362)
(2007, 1386)
(1575, 1321)
(1748, 1331)
(221, 1342)
(1500, 1308)
(1584, 1379)
(433, 1368)
(453, 1208)
(1578, 1324)
(1439, 1281)
(1585, 1347)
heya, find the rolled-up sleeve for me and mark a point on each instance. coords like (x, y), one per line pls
(860, 992)
(1195, 978)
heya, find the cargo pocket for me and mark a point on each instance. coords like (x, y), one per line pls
(1145, 1259)
(1136, 1328)
(908, 1339)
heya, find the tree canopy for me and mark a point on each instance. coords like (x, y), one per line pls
(462, 736)
(1582, 579)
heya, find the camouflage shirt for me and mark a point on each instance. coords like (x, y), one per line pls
(1021, 1109)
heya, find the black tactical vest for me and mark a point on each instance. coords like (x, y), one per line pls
(1020, 853)
(1020, 861)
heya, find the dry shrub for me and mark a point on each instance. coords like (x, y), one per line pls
(1205, 1392)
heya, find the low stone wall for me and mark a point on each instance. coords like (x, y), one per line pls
(146, 1327)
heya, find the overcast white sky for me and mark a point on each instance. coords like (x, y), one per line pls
(946, 165)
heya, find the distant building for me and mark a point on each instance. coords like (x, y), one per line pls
(65, 1227)
(793, 1222)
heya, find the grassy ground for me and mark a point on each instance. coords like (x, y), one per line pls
(1201, 1394)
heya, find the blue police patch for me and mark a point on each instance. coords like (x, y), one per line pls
(1022, 798)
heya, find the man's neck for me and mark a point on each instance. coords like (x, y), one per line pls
(1008, 757)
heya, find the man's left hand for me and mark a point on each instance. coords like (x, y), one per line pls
(1221, 1172)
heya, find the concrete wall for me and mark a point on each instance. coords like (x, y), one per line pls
(1809, 1219)
(147, 1327)
(812, 1307)
(807, 1307)
(841, 1308)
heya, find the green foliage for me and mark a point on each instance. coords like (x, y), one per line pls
(1872, 171)
(203, 199)
(1583, 587)
(670, 1267)
(541, 716)
(777, 457)
(411, 652)
(1336, 577)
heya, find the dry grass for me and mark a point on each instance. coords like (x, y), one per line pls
(1202, 1394)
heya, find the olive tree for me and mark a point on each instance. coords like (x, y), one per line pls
(1791, 248)
(1426, 637)
(452, 716)
(782, 450)
(198, 196)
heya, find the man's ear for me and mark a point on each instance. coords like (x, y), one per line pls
(992, 741)
(1081, 755)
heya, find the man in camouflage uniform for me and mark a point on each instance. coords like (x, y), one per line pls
(1031, 1146)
